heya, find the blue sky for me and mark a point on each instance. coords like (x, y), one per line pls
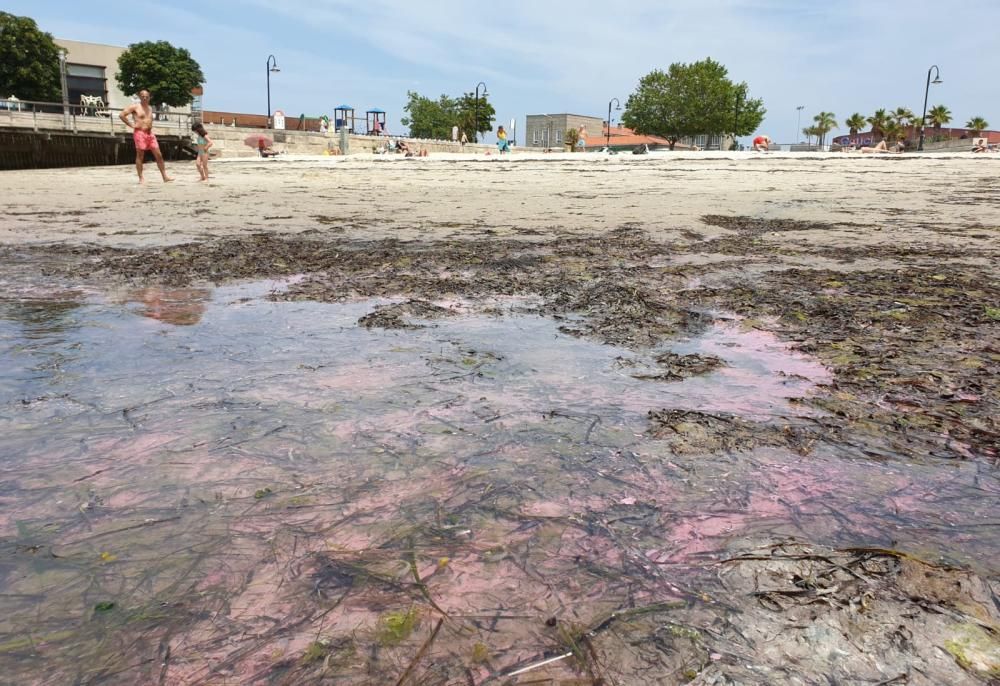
(560, 56)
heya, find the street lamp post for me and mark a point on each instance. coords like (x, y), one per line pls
(475, 126)
(618, 105)
(741, 93)
(65, 88)
(272, 66)
(927, 90)
(798, 125)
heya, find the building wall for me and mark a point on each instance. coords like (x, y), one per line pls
(103, 57)
(912, 134)
(549, 131)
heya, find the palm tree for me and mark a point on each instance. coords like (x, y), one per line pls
(903, 116)
(893, 131)
(977, 125)
(825, 122)
(878, 122)
(939, 116)
(855, 123)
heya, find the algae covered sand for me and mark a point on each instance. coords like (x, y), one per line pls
(726, 421)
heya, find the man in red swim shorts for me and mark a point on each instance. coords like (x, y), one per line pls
(142, 134)
(762, 143)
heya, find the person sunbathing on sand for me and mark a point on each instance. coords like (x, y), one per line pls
(882, 147)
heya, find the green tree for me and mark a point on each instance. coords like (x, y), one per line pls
(902, 116)
(809, 132)
(571, 138)
(168, 73)
(939, 116)
(878, 122)
(689, 100)
(977, 125)
(29, 60)
(467, 115)
(855, 123)
(825, 122)
(893, 130)
(428, 118)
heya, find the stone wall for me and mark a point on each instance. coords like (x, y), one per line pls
(229, 142)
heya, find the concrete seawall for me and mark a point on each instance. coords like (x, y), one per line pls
(26, 149)
(34, 140)
(228, 142)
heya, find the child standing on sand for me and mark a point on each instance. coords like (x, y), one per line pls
(502, 143)
(202, 143)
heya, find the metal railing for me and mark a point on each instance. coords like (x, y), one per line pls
(54, 116)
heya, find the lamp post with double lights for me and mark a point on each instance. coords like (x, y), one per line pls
(618, 107)
(927, 90)
(798, 125)
(272, 66)
(475, 126)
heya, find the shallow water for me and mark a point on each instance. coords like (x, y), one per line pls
(219, 467)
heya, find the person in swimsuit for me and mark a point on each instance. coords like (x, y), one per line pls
(762, 143)
(202, 143)
(142, 134)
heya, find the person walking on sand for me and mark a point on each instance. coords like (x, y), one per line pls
(202, 142)
(142, 134)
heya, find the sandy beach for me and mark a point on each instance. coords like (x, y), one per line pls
(553, 419)
(880, 200)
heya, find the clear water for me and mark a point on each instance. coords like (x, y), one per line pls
(179, 467)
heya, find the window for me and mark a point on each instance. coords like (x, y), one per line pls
(558, 137)
(534, 135)
(84, 79)
(85, 70)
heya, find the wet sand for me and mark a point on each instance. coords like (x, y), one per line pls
(680, 419)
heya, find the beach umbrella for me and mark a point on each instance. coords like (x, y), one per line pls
(258, 140)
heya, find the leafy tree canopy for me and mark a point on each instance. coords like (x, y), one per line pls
(168, 73)
(467, 112)
(690, 100)
(29, 60)
(427, 118)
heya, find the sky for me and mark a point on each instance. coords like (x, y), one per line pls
(841, 56)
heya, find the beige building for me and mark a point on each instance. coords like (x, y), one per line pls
(91, 69)
(549, 130)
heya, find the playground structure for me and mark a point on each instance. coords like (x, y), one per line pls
(344, 117)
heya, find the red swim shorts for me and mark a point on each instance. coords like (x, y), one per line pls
(145, 140)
